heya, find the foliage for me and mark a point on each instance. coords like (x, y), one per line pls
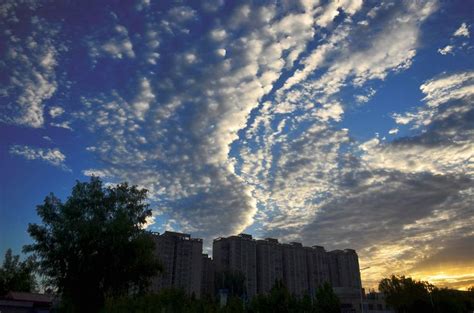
(452, 301)
(326, 300)
(406, 295)
(93, 246)
(232, 281)
(279, 300)
(176, 301)
(167, 301)
(16, 275)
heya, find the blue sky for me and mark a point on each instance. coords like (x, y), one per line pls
(339, 123)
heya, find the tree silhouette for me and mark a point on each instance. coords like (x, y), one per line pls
(232, 281)
(326, 300)
(406, 295)
(94, 246)
(16, 275)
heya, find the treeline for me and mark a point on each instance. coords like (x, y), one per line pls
(278, 300)
(406, 295)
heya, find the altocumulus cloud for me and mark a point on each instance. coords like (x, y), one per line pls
(29, 61)
(51, 156)
(230, 115)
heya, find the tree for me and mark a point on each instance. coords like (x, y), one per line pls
(406, 295)
(94, 246)
(452, 301)
(280, 300)
(232, 281)
(16, 275)
(326, 300)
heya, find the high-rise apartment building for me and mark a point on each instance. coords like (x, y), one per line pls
(208, 276)
(269, 264)
(344, 268)
(295, 268)
(239, 254)
(262, 262)
(181, 258)
(318, 271)
(344, 274)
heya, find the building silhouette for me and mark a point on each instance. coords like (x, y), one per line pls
(262, 262)
(208, 276)
(237, 254)
(269, 264)
(181, 258)
(344, 268)
(344, 273)
(318, 271)
(295, 269)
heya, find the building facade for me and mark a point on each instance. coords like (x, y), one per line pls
(237, 254)
(208, 276)
(269, 264)
(344, 268)
(318, 271)
(263, 262)
(181, 258)
(344, 276)
(295, 268)
(302, 269)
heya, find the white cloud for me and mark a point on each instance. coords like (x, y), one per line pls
(446, 50)
(51, 156)
(462, 31)
(65, 125)
(96, 172)
(365, 98)
(221, 52)
(393, 131)
(179, 159)
(218, 34)
(182, 13)
(393, 48)
(443, 89)
(443, 148)
(295, 169)
(456, 43)
(117, 46)
(143, 99)
(29, 62)
(55, 111)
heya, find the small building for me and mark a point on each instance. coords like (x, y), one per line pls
(374, 302)
(26, 302)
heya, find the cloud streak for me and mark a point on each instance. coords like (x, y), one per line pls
(52, 157)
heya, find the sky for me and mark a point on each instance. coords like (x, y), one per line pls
(346, 124)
